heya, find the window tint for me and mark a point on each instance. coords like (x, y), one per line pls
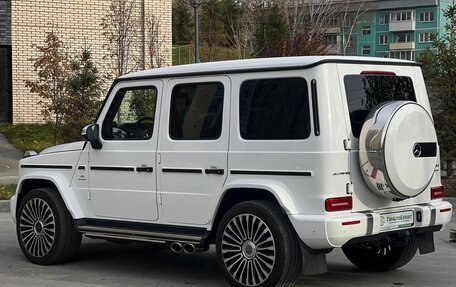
(274, 109)
(365, 92)
(196, 111)
(131, 115)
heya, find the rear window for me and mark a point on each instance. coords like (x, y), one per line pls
(364, 92)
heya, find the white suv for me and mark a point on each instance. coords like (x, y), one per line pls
(275, 161)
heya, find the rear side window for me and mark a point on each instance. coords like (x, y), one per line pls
(274, 109)
(364, 92)
(196, 111)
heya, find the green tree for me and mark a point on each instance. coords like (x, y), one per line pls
(52, 67)
(212, 32)
(272, 32)
(81, 104)
(182, 23)
(439, 70)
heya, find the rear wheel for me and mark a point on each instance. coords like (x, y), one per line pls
(381, 255)
(45, 229)
(256, 246)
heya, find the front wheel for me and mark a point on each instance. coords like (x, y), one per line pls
(45, 229)
(256, 246)
(381, 255)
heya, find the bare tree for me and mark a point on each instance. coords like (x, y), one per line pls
(316, 16)
(241, 28)
(120, 27)
(350, 19)
(156, 42)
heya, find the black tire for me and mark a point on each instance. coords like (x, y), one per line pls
(47, 235)
(381, 255)
(265, 217)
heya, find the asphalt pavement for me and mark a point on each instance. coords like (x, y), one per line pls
(101, 263)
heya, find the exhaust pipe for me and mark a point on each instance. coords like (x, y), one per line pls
(176, 247)
(189, 248)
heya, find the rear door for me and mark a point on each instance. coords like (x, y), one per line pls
(193, 147)
(363, 87)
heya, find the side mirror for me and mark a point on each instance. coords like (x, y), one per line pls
(90, 133)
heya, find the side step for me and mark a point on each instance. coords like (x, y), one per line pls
(147, 232)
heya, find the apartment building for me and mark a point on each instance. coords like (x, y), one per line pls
(399, 29)
(24, 23)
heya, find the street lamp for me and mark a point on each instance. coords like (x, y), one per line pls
(196, 4)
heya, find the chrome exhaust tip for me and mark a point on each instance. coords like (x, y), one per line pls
(189, 248)
(176, 247)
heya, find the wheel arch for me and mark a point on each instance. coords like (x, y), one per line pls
(60, 185)
(233, 195)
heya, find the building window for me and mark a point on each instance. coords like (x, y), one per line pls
(426, 16)
(348, 21)
(366, 50)
(383, 20)
(274, 109)
(196, 111)
(402, 16)
(403, 38)
(425, 37)
(334, 22)
(366, 30)
(331, 39)
(383, 39)
(404, 55)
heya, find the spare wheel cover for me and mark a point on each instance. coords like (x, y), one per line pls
(398, 149)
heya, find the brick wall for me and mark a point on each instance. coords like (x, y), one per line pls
(77, 22)
(5, 22)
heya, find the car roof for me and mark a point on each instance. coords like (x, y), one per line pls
(252, 65)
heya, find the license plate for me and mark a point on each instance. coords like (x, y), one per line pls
(396, 220)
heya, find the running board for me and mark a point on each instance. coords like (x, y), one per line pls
(156, 233)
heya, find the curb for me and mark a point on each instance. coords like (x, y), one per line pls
(4, 205)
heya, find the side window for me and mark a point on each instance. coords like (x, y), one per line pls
(131, 115)
(196, 111)
(274, 109)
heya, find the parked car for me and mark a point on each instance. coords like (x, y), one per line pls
(275, 161)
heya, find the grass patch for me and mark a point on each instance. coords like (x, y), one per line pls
(29, 136)
(7, 191)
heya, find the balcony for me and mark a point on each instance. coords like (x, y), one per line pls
(402, 46)
(402, 26)
(330, 30)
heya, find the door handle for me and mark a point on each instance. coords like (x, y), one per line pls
(144, 169)
(214, 170)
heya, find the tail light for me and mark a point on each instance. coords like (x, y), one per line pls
(437, 192)
(339, 203)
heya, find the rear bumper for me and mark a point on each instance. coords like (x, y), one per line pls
(327, 231)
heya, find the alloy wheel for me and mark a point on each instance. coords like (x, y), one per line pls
(37, 227)
(248, 249)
